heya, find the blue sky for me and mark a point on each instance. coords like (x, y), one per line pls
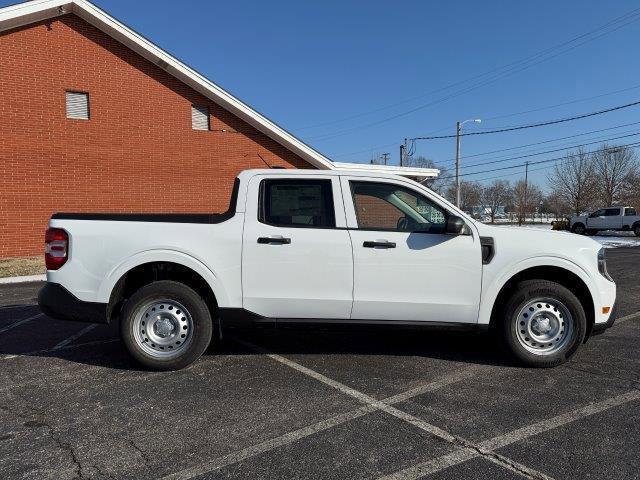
(326, 70)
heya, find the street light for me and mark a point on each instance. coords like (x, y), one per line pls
(458, 130)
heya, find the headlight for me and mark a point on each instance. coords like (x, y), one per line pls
(602, 265)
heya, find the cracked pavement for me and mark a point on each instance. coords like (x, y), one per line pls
(89, 412)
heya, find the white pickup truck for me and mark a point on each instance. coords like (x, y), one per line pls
(612, 218)
(309, 246)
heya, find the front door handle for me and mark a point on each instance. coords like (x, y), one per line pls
(274, 240)
(379, 244)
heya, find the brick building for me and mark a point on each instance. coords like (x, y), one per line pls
(97, 118)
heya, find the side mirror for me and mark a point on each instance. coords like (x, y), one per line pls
(455, 225)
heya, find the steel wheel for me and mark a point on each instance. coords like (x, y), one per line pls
(579, 229)
(162, 328)
(543, 326)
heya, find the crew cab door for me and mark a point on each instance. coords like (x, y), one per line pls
(596, 220)
(613, 218)
(405, 267)
(296, 254)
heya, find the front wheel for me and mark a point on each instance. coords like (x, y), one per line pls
(543, 323)
(166, 325)
(636, 230)
(579, 229)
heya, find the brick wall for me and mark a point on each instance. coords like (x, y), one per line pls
(137, 153)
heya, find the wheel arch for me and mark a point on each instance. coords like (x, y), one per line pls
(578, 223)
(559, 271)
(151, 266)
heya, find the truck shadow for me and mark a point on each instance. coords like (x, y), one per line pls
(362, 341)
(102, 347)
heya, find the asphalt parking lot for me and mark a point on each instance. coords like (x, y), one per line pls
(322, 403)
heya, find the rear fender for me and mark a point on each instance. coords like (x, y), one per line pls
(173, 256)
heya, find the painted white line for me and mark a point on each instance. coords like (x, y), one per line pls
(295, 435)
(20, 322)
(488, 446)
(50, 350)
(22, 279)
(73, 337)
(407, 417)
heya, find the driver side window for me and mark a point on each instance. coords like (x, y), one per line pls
(389, 207)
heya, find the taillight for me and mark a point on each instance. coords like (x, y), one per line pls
(56, 248)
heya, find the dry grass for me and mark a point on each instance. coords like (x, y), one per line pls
(13, 267)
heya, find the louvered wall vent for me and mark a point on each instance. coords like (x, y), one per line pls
(78, 105)
(199, 117)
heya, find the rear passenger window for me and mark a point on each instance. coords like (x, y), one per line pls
(612, 212)
(297, 203)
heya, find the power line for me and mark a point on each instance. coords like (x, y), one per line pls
(629, 15)
(553, 151)
(508, 72)
(377, 147)
(539, 143)
(535, 125)
(530, 163)
(570, 147)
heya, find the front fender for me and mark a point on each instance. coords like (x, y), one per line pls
(492, 287)
(173, 256)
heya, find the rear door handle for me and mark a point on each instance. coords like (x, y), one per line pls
(379, 244)
(274, 240)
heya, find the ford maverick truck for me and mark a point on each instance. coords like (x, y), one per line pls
(319, 246)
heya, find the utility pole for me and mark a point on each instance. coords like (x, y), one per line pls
(458, 132)
(403, 152)
(526, 188)
(385, 157)
(458, 128)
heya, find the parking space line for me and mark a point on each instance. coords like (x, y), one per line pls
(75, 336)
(500, 441)
(20, 322)
(66, 347)
(406, 417)
(326, 424)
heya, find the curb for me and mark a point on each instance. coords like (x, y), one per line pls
(23, 279)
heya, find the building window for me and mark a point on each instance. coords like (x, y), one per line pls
(78, 105)
(199, 117)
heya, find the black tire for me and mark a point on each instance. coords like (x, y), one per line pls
(199, 331)
(636, 230)
(527, 292)
(578, 228)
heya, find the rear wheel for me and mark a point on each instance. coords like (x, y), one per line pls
(543, 323)
(636, 230)
(166, 325)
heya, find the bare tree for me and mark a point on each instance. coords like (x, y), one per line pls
(526, 197)
(470, 194)
(439, 184)
(631, 190)
(573, 180)
(613, 167)
(496, 195)
(556, 204)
